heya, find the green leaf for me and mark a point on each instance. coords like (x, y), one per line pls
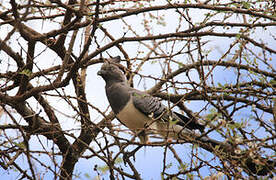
(190, 176)
(183, 167)
(103, 169)
(246, 5)
(20, 145)
(168, 166)
(213, 115)
(207, 14)
(180, 65)
(272, 82)
(226, 93)
(26, 72)
(162, 176)
(153, 62)
(220, 85)
(87, 175)
(119, 160)
(172, 121)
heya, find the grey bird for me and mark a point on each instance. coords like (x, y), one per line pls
(144, 115)
(139, 111)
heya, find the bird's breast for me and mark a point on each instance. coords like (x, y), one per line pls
(134, 119)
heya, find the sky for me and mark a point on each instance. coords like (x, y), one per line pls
(148, 160)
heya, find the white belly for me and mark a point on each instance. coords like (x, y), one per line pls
(134, 119)
(137, 121)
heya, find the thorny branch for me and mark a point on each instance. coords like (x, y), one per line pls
(187, 71)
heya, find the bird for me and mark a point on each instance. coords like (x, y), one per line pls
(139, 111)
(144, 115)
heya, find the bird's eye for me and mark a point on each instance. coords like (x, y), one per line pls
(112, 68)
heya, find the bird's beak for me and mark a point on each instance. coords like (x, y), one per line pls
(100, 72)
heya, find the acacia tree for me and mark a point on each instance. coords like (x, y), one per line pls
(211, 60)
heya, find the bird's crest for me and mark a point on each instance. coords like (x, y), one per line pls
(116, 59)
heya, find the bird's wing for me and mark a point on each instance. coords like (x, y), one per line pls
(151, 106)
(147, 104)
(167, 123)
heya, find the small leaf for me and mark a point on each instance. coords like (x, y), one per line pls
(168, 165)
(103, 169)
(183, 167)
(246, 5)
(172, 121)
(20, 145)
(162, 176)
(119, 160)
(87, 175)
(220, 85)
(272, 82)
(26, 72)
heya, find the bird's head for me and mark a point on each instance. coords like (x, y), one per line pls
(110, 71)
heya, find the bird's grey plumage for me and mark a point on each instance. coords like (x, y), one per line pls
(144, 114)
(116, 86)
(138, 110)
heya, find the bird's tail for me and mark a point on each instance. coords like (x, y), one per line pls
(211, 144)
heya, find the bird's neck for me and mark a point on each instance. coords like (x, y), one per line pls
(111, 83)
(118, 95)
